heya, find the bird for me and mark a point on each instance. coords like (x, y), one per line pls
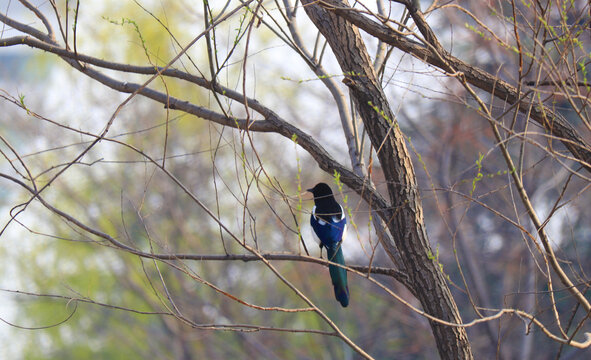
(330, 226)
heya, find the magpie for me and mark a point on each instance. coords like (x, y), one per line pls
(330, 226)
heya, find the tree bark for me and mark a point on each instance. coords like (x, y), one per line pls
(407, 224)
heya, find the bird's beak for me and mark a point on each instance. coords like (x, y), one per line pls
(309, 190)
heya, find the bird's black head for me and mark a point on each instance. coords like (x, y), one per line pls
(321, 191)
(327, 207)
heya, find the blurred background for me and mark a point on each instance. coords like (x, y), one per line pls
(255, 184)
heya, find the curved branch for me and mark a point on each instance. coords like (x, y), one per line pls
(42, 17)
(272, 122)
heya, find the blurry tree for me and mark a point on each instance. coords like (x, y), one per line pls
(167, 202)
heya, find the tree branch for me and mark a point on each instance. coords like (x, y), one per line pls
(551, 121)
(272, 122)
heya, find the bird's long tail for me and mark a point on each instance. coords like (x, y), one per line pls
(338, 275)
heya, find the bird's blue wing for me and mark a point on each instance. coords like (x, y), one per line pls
(330, 233)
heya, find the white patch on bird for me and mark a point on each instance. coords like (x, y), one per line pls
(323, 223)
(336, 219)
(320, 221)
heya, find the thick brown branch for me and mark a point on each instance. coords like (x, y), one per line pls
(407, 225)
(551, 121)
